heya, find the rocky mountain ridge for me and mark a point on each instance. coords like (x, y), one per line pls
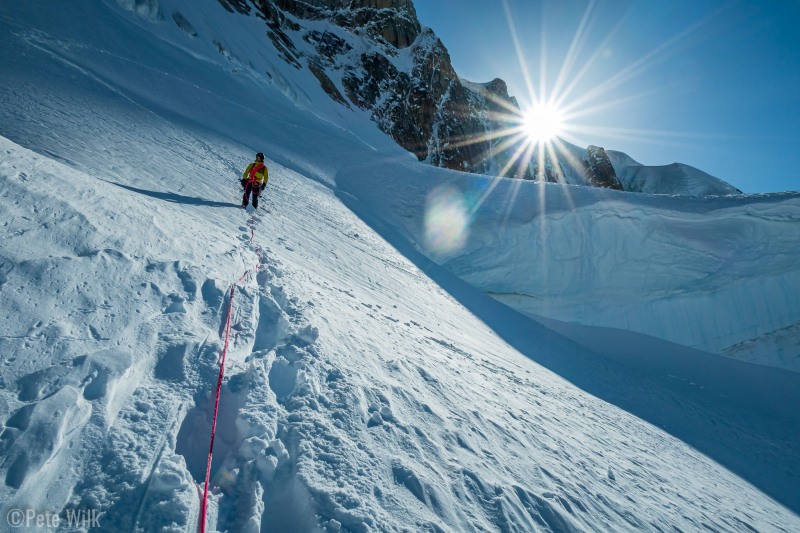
(375, 55)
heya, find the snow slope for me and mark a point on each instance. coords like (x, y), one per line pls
(368, 388)
(708, 273)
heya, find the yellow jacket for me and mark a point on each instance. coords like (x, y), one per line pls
(261, 175)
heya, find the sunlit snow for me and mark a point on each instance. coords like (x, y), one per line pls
(368, 387)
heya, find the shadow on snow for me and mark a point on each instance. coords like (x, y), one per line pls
(175, 198)
(743, 416)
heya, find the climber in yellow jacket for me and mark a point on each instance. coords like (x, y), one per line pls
(254, 180)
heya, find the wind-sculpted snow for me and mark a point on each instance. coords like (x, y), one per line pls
(367, 388)
(676, 178)
(718, 274)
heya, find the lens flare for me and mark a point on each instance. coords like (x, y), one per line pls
(530, 138)
(536, 139)
(446, 220)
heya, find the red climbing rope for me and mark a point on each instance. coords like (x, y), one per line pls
(204, 500)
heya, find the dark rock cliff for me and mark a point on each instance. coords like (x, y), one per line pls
(375, 55)
(384, 62)
(599, 170)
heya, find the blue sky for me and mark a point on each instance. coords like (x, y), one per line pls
(713, 84)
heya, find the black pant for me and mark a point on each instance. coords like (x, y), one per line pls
(250, 187)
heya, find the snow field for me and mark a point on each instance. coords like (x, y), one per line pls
(462, 419)
(367, 388)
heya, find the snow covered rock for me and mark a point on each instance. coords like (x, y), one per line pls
(378, 57)
(375, 55)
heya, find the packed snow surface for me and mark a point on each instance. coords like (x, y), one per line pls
(368, 388)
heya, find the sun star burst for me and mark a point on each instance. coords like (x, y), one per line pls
(543, 123)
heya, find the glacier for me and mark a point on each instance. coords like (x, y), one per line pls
(377, 380)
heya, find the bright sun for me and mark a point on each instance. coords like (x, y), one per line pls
(543, 122)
